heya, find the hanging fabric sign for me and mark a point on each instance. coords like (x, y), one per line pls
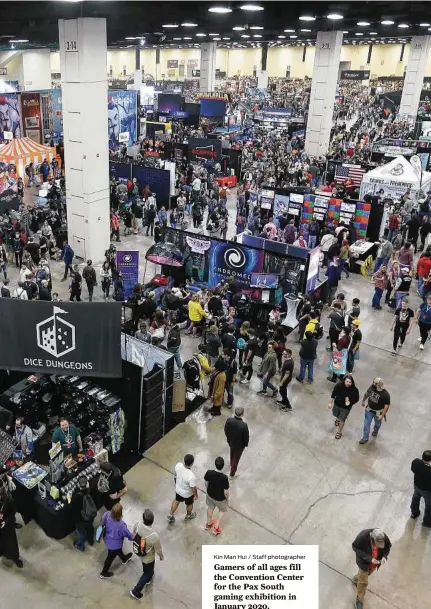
(199, 246)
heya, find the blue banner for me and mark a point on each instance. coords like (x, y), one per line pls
(159, 181)
(128, 266)
(10, 114)
(57, 115)
(122, 108)
(230, 261)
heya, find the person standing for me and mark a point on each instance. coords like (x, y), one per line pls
(307, 355)
(344, 395)
(174, 342)
(383, 254)
(380, 280)
(231, 371)
(336, 325)
(217, 495)
(286, 376)
(106, 277)
(422, 487)
(423, 319)
(68, 436)
(237, 436)
(89, 275)
(355, 343)
(249, 353)
(267, 370)
(144, 531)
(85, 511)
(67, 255)
(116, 532)
(76, 285)
(378, 405)
(111, 484)
(185, 489)
(212, 344)
(8, 540)
(216, 387)
(372, 548)
(401, 325)
(23, 438)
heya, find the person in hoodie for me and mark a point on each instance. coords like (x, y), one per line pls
(67, 255)
(116, 532)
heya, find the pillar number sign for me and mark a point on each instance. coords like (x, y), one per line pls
(71, 46)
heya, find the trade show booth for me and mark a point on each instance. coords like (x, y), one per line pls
(393, 179)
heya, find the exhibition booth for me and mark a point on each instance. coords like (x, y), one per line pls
(20, 152)
(392, 180)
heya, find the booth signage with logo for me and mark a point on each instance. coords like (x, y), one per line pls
(65, 338)
(200, 148)
(128, 266)
(230, 261)
(355, 74)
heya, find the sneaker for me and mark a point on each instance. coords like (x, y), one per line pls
(375, 433)
(216, 531)
(262, 392)
(287, 409)
(190, 516)
(393, 352)
(400, 346)
(106, 575)
(208, 527)
(421, 347)
(414, 516)
(170, 518)
(275, 393)
(363, 441)
(419, 339)
(244, 382)
(136, 595)
(128, 558)
(299, 379)
(75, 545)
(19, 563)
(358, 604)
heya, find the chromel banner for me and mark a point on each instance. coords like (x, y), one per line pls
(61, 338)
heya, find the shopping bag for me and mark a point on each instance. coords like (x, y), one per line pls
(100, 532)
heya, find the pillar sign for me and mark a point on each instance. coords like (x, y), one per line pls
(71, 46)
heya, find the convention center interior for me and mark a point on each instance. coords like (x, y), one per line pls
(215, 250)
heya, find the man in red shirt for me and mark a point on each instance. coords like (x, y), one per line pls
(394, 226)
(423, 270)
(372, 547)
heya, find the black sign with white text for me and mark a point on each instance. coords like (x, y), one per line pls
(200, 148)
(61, 337)
(355, 74)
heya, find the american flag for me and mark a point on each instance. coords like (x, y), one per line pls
(355, 172)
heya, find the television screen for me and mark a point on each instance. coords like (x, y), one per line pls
(213, 107)
(169, 103)
(296, 198)
(319, 216)
(191, 108)
(350, 207)
(264, 280)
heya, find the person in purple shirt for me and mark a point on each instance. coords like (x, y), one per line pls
(115, 532)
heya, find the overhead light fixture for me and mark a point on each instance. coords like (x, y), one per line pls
(251, 7)
(387, 22)
(256, 27)
(359, 34)
(304, 30)
(307, 18)
(142, 41)
(373, 33)
(187, 38)
(238, 28)
(213, 34)
(189, 24)
(176, 38)
(216, 38)
(424, 24)
(170, 25)
(334, 16)
(363, 23)
(281, 36)
(403, 26)
(293, 36)
(245, 35)
(226, 38)
(23, 40)
(257, 35)
(222, 10)
(289, 31)
(130, 38)
(201, 35)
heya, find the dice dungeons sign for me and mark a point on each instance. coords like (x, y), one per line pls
(65, 338)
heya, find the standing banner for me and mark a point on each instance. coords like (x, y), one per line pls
(230, 261)
(57, 115)
(32, 116)
(122, 109)
(66, 337)
(128, 266)
(10, 115)
(313, 270)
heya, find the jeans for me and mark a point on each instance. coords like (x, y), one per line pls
(229, 391)
(424, 331)
(90, 288)
(304, 364)
(418, 494)
(85, 532)
(247, 370)
(67, 268)
(370, 415)
(393, 232)
(177, 357)
(18, 260)
(343, 267)
(283, 389)
(312, 239)
(378, 293)
(399, 334)
(420, 284)
(109, 559)
(235, 456)
(267, 383)
(379, 262)
(147, 576)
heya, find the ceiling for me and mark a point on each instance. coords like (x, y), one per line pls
(128, 22)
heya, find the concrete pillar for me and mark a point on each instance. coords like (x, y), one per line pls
(137, 81)
(208, 67)
(36, 70)
(414, 77)
(323, 89)
(83, 51)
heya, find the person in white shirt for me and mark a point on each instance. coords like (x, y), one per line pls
(196, 185)
(185, 489)
(20, 292)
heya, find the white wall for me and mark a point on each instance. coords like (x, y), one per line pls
(36, 67)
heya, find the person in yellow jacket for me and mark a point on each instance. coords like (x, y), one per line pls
(196, 314)
(312, 324)
(217, 386)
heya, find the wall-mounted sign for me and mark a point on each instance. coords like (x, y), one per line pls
(355, 74)
(3, 71)
(172, 63)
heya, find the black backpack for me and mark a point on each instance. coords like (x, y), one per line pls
(89, 510)
(138, 546)
(192, 373)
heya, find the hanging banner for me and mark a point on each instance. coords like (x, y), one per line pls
(66, 338)
(57, 115)
(122, 108)
(32, 116)
(229, 261)
(10, 115)
(128, 266)
(199, 246)
(355, 74)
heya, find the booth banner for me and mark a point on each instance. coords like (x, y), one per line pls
(231, 261)
(355, 74)
(8, 200)
(66, 338)
(128, 266)
(200, 148)
(122, 109)
(32, 116)
(281, 205)
(57, 115)
(159, 181)
(120, 171)
(10, 112)
(313, 270)
(199, 246)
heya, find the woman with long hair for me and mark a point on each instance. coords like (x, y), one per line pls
(241, 344)
(344, 395)
(115, 533)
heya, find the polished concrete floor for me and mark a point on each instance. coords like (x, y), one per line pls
(296, 485)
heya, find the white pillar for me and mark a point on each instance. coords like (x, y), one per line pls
(262, 79)
(323, 89)
(414, 77)
(36, 70)
(208, 67)
(83, 51)
(137, 80)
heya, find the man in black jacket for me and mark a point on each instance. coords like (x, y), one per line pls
(422, 481)
(83, 523)
(89, 275)
(372, 547)
(237, 436)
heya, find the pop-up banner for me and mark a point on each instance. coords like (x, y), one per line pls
(62, 338)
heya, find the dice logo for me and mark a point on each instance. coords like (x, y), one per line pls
(55, 335)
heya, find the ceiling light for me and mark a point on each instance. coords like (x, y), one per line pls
(130, 38)
(201, 35)
(307, 18)
(226, 38)
(220, 9)
(363, 23)
(424, 24)
(189, 24)
(387, 22)
(172, 25)
(304, 30)
(24, 40)
(293, 36)
(281, 36)
(403, 25)
(245, 35)
(373, 33)
(213, 34)
(334, 16)
(345, 32)
(187, 38)
(359, 34)
(251, 7)
(256, 27)
(289, 31)
(239, 28)
(257, 35)
(176, 39)
(216, 38)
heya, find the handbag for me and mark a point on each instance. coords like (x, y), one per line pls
(100, 532)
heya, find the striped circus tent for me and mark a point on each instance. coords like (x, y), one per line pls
(23, 151)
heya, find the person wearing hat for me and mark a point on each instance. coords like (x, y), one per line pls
(355, 343)
(216, 387)
(372, 547)
(378, 405)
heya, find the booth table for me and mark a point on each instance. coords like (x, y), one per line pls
(360, 252)
(228, 181)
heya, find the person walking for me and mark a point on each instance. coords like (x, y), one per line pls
(384, 253)
(307, 355)
(401, 325)
(378, 405)
(212, 344)
(344, 257)
(422, 487)
(67, 255)
(249, 353)
(9, 547)
(217, 485)
(185, 489)
(174, 342)
(286, 376)
(216, 387)
(380, 280)
(237, 436)
(231, 371)
(146, 544)
(336, 325)
(115, 532)
(84, 511)
(267, 369)
(423, 319)
(89, 276)
(372, 547)
(106, 277)
(75, 286)
(344, 395)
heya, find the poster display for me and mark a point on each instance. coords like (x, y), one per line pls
(281, 205)
(31, 116)
(128, 266)
(10, 115)
(122, 109)
(57, 115)
(81, 338)
(159, 181)
(231, 261)
(266, 198)
(313, 270)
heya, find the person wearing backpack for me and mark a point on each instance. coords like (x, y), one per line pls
(85, 512)
(174, 342)
(115, 532)
(146, 544)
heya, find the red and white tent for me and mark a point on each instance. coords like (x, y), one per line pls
(23, 151)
